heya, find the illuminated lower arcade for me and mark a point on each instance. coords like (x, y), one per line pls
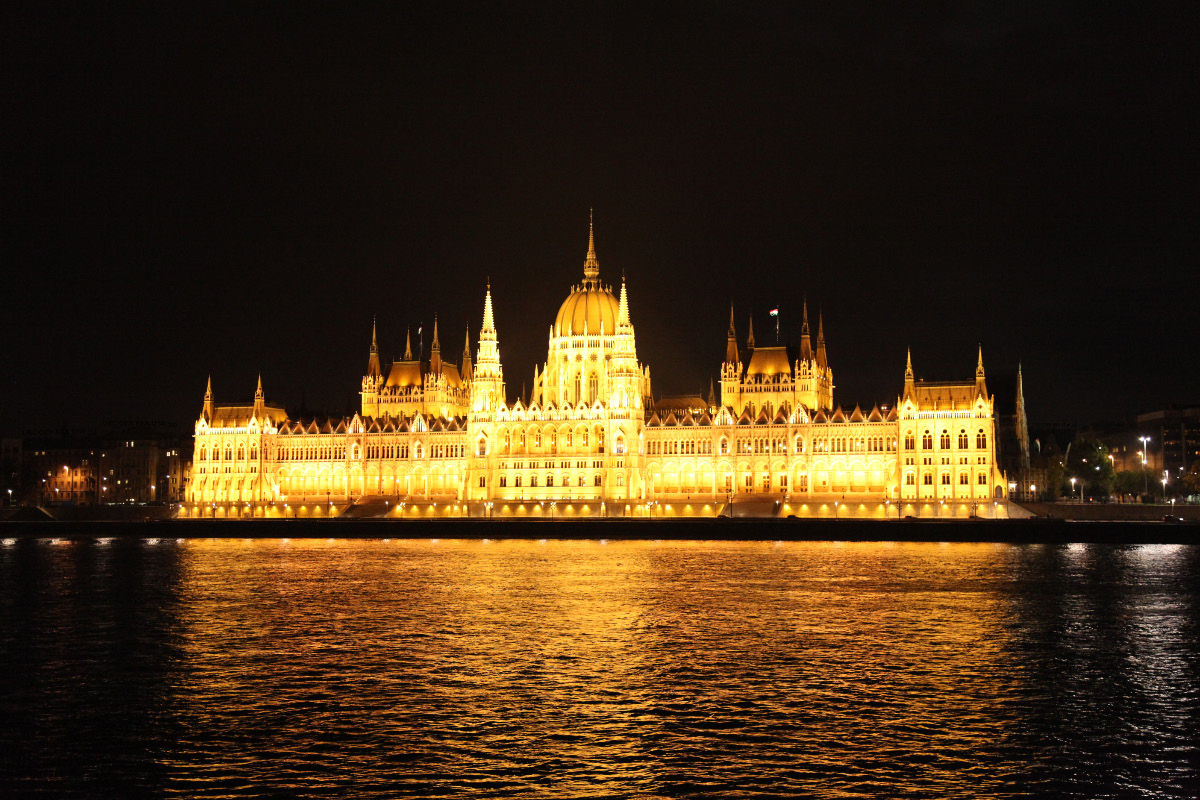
(435, 438)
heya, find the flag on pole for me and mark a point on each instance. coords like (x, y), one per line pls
(774, 312)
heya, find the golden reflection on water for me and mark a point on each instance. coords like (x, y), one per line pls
(576, 668)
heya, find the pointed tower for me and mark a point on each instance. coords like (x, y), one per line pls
(909, 381)
(750, 335)
(206, 412)
(621, 386)
(980, 381)
(259, 402)
(806, 353)
(408, 344)
(435, 353)
(465, 366)
(731, 349)
(822, 357)
(373, 370)
(712, 395)
(487, 387)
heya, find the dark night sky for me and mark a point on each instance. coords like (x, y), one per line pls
(241, 188)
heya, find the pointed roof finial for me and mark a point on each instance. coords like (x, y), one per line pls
(750, 336)
(208, 391)
(436, 345)
(804, 324)
(258, 392)
(979, 363)
(408, 344)
(731, 329)
(908, 371)
(591, 266)
(622, 308)
(467, 342)
(373, 330)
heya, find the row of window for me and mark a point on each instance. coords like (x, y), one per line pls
(964, 479)
(216, 453)
(564, 481)
(964, 441)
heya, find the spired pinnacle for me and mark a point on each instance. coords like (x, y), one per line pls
(408, 344)
(908, 372)
(979, 364)
(591, 267)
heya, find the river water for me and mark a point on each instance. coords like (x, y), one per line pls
(526, 668)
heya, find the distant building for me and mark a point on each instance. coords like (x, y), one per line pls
(87, 469)
(591, 440)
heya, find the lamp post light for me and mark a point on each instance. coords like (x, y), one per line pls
(1073, 488)
(1145, 440)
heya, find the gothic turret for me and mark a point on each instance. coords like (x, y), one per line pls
(435, 353)
(822, 358)
(465, 365)
(488, 376)
(206, 413)
(806, 353)
(373, 370)
(980, 381)
(731, 348)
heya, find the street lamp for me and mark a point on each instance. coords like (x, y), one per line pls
(1073, 488)
(1145, 440)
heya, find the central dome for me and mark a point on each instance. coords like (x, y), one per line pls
(589, 308)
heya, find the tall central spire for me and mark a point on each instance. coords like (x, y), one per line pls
(591, 267)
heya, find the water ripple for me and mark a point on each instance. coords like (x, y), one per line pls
(223, 669)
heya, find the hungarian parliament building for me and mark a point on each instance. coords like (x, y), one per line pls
(438, 438)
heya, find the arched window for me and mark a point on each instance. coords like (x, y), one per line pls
(963, 443)
(593, 388)
(228, 452)
(533, 480)
(927, 479)
(503, 481)
(419, 451)
(506, 443)
(982, 480)
(482, 447)
(620, 480)
(596, 479)
(203, 453)
(945, 439)
(963, 479)
(927, 441)
(910, 441)
(620, 446)
(724, 446)
(585, 437)
(910, 479)
(549, 480)
(945, 479)
(253, 453)
(981, 439)
(356, 453)
(582, 482)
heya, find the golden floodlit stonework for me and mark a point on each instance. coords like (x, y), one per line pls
(435, 438)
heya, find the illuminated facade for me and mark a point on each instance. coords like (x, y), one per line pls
(438, 438)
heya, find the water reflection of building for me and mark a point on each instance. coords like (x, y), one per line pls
(591, 439)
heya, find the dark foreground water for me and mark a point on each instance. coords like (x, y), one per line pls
(376, 668)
